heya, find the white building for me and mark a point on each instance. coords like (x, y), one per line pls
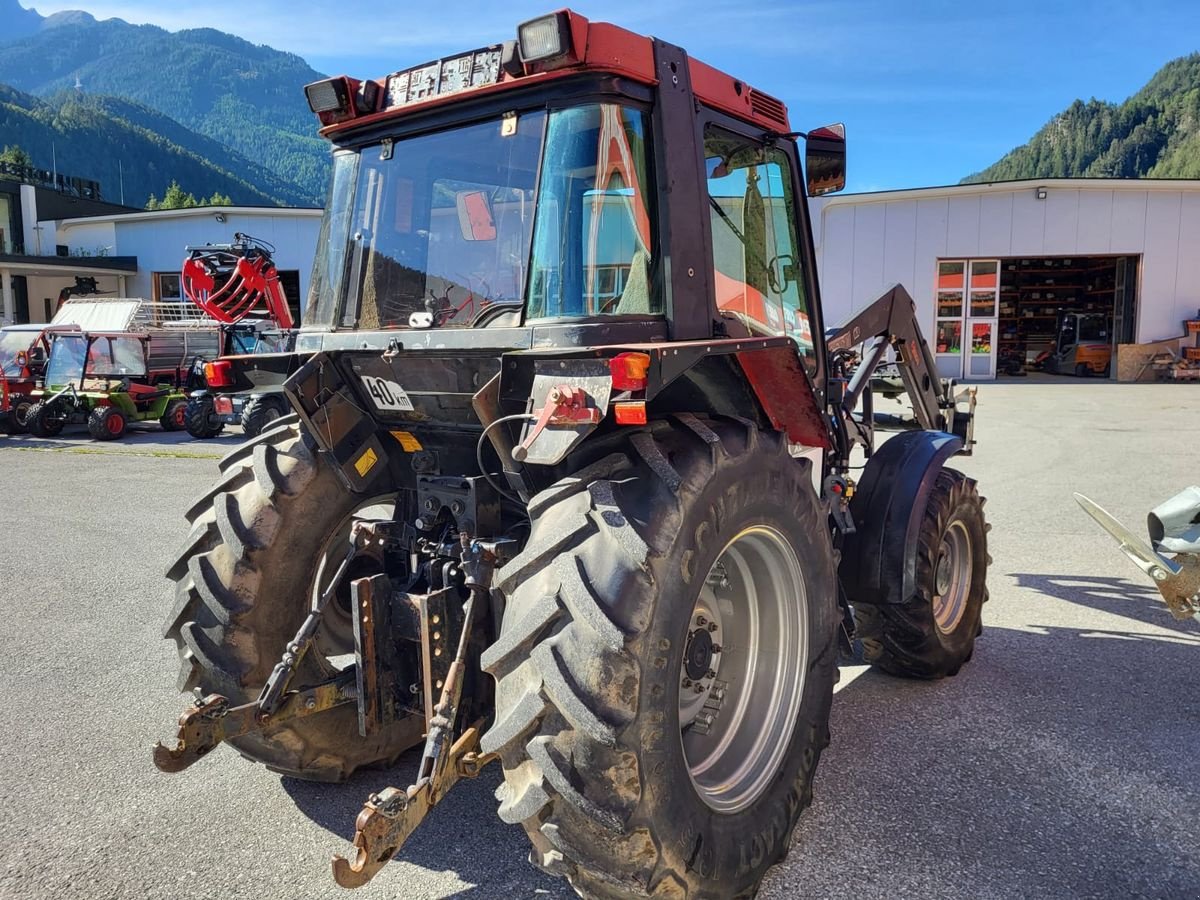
(48, 239)
(988, 265)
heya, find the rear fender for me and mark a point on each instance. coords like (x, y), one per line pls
(889, 500)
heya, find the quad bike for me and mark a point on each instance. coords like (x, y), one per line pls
(607, 530)
(101, 379)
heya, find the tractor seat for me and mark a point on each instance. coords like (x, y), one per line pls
(141, 390)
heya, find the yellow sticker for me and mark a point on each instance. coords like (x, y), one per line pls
(365, 463)
(407, 441)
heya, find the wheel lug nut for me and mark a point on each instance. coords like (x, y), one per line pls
(699, 689)
(687, 682)
(717, 648)
(711, 673)
(712, 626)
(701, 621)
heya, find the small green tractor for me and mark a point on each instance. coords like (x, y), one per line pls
(103, 379)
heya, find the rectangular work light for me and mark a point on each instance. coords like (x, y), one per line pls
(544, 38)
(330, 95)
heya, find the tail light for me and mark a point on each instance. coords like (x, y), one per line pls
(218, 373)
(629, 371)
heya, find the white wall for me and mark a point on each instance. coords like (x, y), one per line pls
(867, 242)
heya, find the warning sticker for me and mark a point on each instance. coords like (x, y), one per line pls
(365, 463)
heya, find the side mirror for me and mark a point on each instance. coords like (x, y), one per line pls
(825, 159)
(37, 356)
(475, 216)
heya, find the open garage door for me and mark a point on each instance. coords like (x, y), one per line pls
(1055, 315)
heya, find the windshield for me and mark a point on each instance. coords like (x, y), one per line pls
(66, 360)
(12, 343)
(439, 230)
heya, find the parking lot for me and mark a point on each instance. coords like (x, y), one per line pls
(1060, 763)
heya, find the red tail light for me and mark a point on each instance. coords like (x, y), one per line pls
(218, 373)
(629, 371)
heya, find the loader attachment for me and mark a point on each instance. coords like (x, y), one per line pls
(1178, 579)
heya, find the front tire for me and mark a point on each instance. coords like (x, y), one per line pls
(259, 414)
(932, 634)
(594, 722)
(44, 420)
(18, 416)
(201, 420)
(243, 585)
(107, 423)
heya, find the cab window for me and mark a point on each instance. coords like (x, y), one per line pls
(756, 253)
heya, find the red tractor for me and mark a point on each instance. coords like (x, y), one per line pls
(24, 350)
(575, 483)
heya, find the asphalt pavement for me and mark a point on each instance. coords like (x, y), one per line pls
(1060, 763)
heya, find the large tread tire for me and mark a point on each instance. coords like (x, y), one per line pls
(107, 423)
(200, 419)
(903, 638)
(243, 586)
(588, 659)
(259, 414)
(40, 422)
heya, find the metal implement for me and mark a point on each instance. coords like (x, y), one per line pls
(211, 720)
(1177, 580)
(388, 818)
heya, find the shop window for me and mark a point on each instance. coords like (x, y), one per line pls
(984, 287)
(756, 255)
(166, 287)
(948, 306)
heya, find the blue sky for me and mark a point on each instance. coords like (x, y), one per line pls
(929, 91)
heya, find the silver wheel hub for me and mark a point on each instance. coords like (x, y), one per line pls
(952, 578)
(744, 663)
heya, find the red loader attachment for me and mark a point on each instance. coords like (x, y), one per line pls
(230, 281)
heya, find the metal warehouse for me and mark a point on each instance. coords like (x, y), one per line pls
(1004, 274)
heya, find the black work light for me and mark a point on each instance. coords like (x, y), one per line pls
(544, 38)
(330, 95)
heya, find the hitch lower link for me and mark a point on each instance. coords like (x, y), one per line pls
(211, 720)
(391, 816)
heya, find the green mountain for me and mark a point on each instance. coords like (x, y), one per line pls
(1153, 134)
(106, 138)
(248, 97)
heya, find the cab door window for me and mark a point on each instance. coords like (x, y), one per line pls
(756, 252)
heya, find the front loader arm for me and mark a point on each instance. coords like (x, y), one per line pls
(891, 321)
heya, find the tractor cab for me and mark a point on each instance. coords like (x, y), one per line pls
(98, 361)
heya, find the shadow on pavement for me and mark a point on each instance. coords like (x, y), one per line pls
(1118, 596)
(462, 834)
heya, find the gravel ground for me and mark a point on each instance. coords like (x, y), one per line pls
(1060, 762)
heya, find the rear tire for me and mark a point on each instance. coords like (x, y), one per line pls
(243, 585)
(200, 419)
(259, 414)
(932, 635)
(107, 423)
(590, 660)
(1083, 370)
(18, 416)
(44, 420)
(174, 417)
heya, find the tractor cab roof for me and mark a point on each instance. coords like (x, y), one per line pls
(547, 49)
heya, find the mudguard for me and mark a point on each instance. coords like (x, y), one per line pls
(877, 567)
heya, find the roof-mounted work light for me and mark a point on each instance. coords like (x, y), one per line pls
(341, 98)
(545, 38)
(330, 95)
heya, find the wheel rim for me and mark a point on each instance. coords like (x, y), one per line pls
(952, 578)
(270, 414)
(748, 633)
(180, 415)
(334, 639)
(115, 423)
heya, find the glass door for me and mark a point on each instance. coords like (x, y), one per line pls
(948, 309)
(983, 300)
